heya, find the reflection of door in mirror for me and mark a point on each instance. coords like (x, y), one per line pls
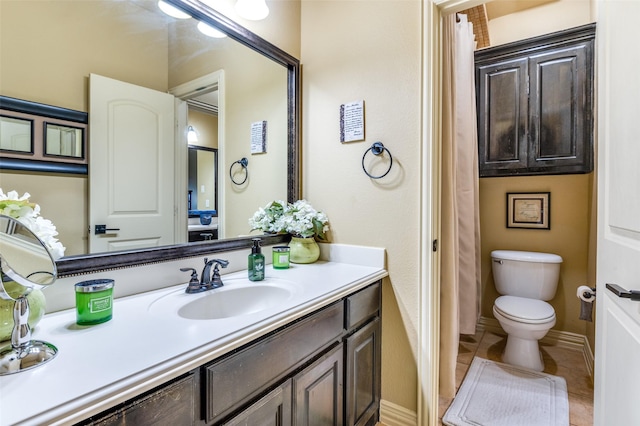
(131, 148)
(203, 120)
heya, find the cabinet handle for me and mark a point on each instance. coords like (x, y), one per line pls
(621, 292)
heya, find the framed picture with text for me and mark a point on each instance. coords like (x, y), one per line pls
(529, 210)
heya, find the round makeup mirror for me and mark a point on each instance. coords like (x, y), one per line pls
(26, 262)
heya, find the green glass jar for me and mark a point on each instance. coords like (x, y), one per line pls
(94, 301)
(280, 257)
(304, 250)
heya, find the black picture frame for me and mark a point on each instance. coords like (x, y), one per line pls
(529, 210)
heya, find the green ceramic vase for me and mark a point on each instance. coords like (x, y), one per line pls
(303, 250)
(37, 305)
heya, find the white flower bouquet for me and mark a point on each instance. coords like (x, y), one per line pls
(299, 219)
(29, 215)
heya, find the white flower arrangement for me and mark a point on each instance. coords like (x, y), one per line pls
(29, 215)
(299, 219)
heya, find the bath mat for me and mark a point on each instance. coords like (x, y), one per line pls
(497, 394)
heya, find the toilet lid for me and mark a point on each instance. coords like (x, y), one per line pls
(524, 309)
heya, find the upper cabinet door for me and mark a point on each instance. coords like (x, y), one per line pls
(502, 115)
(535, 105)
(560, 109)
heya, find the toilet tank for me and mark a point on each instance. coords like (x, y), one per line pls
(526, 273)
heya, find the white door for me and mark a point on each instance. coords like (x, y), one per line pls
(131, 177)
(617, 370)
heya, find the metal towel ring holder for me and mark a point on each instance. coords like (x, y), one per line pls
(377, 149)
(244, 163)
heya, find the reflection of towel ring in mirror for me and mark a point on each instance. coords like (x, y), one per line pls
(244, 163)
(377, 149)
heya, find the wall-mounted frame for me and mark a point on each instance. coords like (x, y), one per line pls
(42, 138)
(529, 210)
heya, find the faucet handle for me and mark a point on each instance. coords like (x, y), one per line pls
(194, 284)
(216, 280)
(221, 262)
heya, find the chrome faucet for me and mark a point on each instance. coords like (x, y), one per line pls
(208, 280)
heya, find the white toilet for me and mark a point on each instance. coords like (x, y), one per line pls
(525, 280)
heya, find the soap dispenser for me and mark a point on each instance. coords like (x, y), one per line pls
(256, 262)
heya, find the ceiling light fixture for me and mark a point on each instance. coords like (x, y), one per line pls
(208, 30)
(254, 10)
(172, 11)
(192, 136)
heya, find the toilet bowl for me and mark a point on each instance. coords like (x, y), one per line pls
(525, 280)
(525, 321)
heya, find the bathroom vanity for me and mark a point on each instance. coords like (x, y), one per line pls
(311, 357)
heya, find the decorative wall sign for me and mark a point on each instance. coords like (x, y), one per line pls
(352, 121)
(529, 210)
(259, 137)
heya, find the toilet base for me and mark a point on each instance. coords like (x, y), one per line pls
(523, 353)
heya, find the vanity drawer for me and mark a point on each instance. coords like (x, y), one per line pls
(362, 305)
(172, 404)
(233, 381)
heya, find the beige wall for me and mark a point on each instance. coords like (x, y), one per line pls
(206, 126)
(370, 51)
(547, 18)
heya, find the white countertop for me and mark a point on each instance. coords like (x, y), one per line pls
(100, 366)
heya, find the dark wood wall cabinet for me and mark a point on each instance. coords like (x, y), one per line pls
(535, 105)
(323, 369)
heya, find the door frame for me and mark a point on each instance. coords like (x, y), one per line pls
(183, 92)
(428, 350)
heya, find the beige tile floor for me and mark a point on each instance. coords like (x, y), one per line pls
(563, 362)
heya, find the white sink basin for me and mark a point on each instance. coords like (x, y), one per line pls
(237, 297)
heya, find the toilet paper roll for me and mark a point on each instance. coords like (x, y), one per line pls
(586, 296)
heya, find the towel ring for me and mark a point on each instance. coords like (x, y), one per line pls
(377, 149)
(244, 163)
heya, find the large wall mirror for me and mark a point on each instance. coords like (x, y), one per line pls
(57, 45)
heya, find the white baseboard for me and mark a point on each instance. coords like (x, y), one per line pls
(395, 415)
(564, 339)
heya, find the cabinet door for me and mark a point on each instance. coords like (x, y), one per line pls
(560, 123)
(318, 392)
(243, 376)
(363, 375)
(274, 409)
(502, 115)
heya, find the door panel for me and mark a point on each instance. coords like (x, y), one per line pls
(617, 372)
(131, 178)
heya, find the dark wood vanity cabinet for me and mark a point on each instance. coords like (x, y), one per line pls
(535, 105)
(339, 384)
(322, 369)
(174, 403)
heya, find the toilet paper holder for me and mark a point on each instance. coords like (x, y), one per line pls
(588, 294)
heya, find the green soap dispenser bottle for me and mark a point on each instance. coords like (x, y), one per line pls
(256, 262)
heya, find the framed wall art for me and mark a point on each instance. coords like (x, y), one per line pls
(529, 210)
(42, 138)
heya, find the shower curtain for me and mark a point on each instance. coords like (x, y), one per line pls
(460, 256)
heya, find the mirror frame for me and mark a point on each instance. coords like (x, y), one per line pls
(83, 264)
